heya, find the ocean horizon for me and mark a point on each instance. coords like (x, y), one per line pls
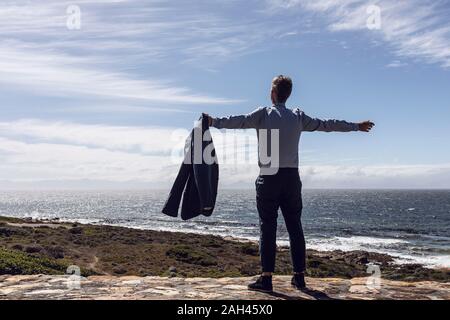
(412, 225)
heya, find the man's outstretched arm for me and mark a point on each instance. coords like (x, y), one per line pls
(314, 124)
(245, 121)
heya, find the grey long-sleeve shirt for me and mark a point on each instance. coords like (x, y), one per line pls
(290, 124)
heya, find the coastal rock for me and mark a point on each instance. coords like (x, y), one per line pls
(155, 288)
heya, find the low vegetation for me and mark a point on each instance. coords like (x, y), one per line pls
(28, 247)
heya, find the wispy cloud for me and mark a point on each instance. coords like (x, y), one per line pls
(413, 29)
(396, 64)
(41, 56)
(133, 139)
(62, 75)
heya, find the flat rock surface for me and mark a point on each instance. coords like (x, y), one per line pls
(134, 288)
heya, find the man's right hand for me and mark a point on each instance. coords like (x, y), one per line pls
(210, 119)
(366, 126)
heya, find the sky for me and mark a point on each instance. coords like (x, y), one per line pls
(102, 94)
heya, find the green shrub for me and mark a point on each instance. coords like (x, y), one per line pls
(250, 249)
(17, 262)
(190, 255)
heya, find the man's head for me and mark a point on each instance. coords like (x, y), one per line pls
(281, 89)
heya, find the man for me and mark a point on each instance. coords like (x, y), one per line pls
(281, 188)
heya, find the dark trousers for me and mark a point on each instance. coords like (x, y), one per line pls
(282, 190)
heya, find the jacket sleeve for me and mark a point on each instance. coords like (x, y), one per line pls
(314, 124)
(251, 120)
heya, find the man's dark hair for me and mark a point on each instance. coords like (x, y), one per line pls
(282, 85)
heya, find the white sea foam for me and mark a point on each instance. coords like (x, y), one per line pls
(429, 261)
(353, 243)
(394, 247)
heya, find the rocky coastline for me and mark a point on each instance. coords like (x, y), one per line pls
(30, 247)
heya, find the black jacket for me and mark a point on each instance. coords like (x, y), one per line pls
(198, 177)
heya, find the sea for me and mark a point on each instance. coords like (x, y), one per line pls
(413, 226)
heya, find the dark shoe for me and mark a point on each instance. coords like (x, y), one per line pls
(298, 281)
(263, 284)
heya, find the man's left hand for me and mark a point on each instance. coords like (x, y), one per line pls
(366, 126)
